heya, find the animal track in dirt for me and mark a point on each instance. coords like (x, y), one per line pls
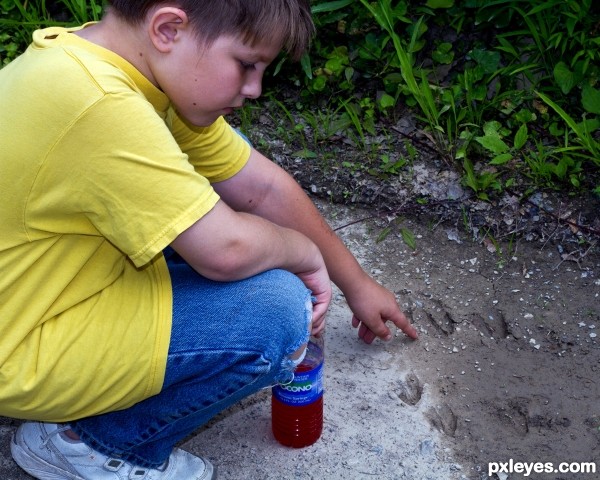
(494, 325)
(540, 415)
(512, 413)
(409, 390)
(442, 321)
(437, 314)
(443, 419)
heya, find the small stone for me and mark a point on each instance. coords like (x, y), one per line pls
(426, 447)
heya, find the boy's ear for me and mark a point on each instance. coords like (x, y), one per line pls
(165, 25)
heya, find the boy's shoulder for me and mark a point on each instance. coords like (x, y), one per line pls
(65, 68)
(59, 59)
(69, 53)
(61, 76)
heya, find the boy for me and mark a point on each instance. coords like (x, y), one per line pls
(156, 268)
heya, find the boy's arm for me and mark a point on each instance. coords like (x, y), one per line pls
(226, 245)
(264, 189)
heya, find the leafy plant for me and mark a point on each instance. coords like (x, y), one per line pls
(481, 182)
(583, 131)
(83, 11)
(395, 226)
(387, 17)
(18, 20)
(553, 43)
(506, 91)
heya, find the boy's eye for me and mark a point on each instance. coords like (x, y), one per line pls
(247, 65)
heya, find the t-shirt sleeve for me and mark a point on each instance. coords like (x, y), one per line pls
(117, 171)
(217, 152)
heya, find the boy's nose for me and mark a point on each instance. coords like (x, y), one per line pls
(252, 89)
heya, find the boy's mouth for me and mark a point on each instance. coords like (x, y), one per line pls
(232, 109)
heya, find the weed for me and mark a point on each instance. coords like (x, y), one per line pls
(18, 20)
(393, 167)
(395, 226)
(583, 131)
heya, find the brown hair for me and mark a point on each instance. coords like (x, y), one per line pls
(254, 21)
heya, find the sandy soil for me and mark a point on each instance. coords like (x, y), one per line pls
(506, 368)
(509, 356)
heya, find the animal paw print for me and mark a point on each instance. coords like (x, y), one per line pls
(409, 390)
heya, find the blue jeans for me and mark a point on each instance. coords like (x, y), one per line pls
(228, 340)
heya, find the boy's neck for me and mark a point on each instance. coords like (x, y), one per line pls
(125, 40)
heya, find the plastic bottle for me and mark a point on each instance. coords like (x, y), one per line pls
(297, 407)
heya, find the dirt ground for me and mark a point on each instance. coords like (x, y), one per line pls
(509, 354)
(506, 294)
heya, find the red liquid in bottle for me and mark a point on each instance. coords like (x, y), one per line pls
(298, 426)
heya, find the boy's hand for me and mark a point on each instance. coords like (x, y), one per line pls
(319, 284)
(372, 306)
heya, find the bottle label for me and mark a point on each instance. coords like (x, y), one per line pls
(306, 388)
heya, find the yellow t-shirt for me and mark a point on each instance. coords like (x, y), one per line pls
(97, 176)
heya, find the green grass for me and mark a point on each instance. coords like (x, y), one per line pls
(18, 20)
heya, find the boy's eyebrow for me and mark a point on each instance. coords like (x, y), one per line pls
(263, 59)
(256, 57)
(255, 52)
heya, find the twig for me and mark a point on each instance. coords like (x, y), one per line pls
(569, 256)
(559, 218)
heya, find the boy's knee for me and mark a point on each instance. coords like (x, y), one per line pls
(299, 354)
(291, 311)
(289, 296)
(285, 282)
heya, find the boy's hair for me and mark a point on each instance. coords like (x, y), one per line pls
(254, 21)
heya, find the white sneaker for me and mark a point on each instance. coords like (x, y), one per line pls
(40, 450)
